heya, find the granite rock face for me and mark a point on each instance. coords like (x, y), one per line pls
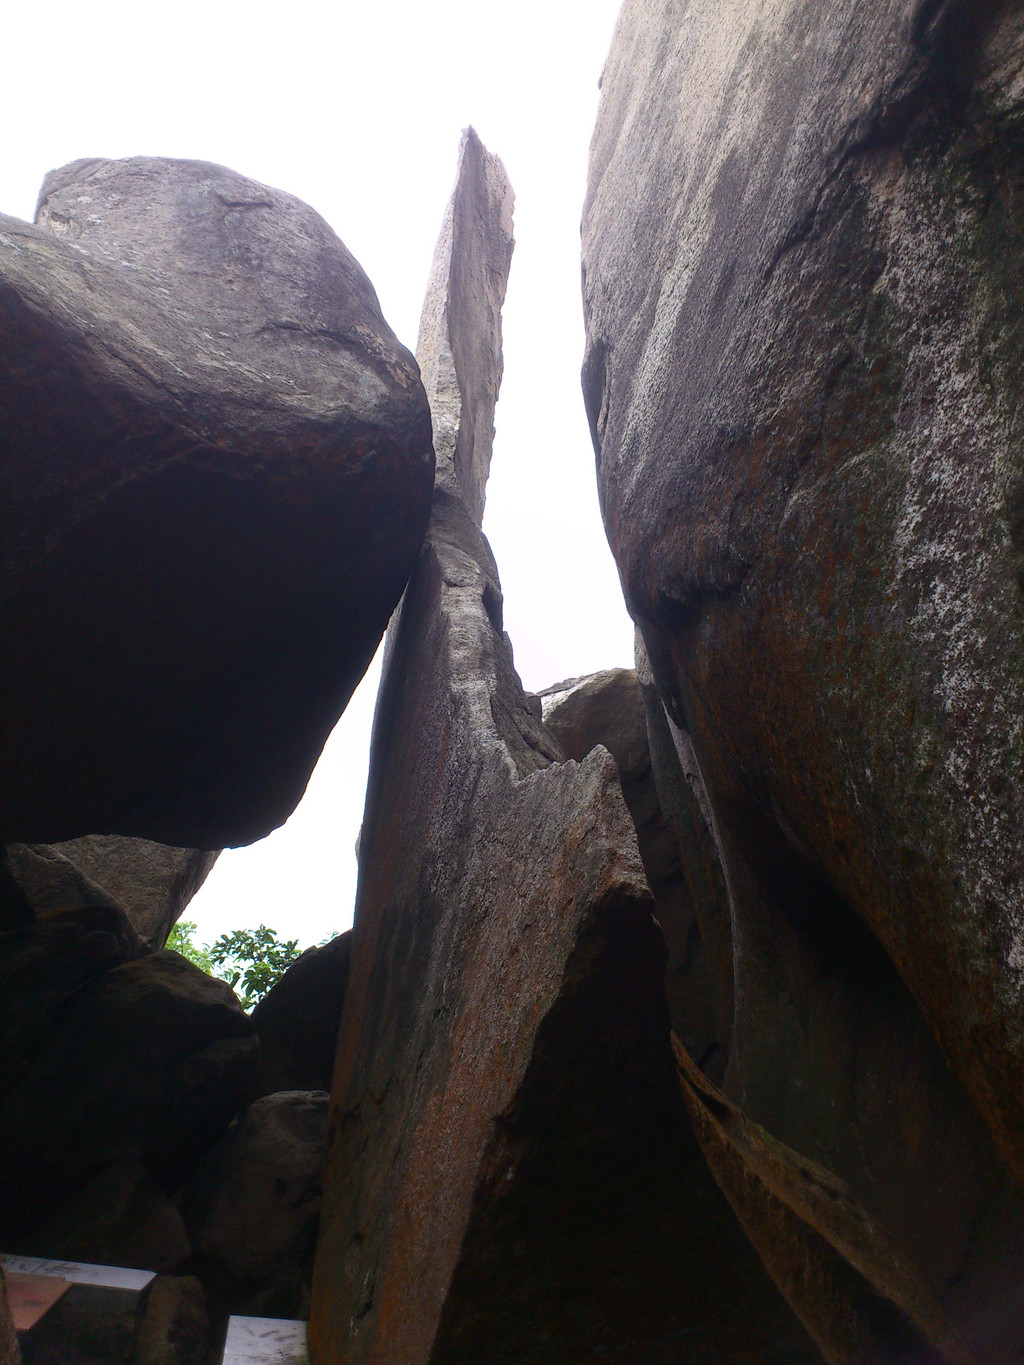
(801, 248)
(297, 1021)
(611, 708)
(462, 318)
(109, 1054)
(252, 1205)
(150, 882)
(215, 473)
(122, 1218)
(174, 1327)
(510, 1174)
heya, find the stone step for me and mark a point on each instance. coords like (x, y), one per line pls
(78, 1272)
(249, 1341)
(265, 1341)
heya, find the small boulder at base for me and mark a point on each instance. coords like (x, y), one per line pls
(215, 472)
(297, 1021)
(175, 1327)
(253, 1203)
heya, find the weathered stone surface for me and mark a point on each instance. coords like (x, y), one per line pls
(297, 1021)
(461, 318)
(175, 1326)
(40, 881)
(504, 1117)
(610, 708)
(145, 1059)
(42, 966)
(10, 1353)
(252, 1206)
(150, 882)
(215, 474)
(599, 1235)
(122, 1217)
(804, 335)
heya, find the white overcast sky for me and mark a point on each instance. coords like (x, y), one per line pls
(357, 108)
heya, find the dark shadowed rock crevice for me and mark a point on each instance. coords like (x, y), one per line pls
(613, 708)
(252, 1204)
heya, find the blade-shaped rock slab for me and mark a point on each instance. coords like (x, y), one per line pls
(802, 246)
(503, 1076)
(459, 345)
(215, 471)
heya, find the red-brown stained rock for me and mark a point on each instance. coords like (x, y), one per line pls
(510, 1175)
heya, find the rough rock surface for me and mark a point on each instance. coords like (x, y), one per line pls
(9, 1351)
(510, 1176)
(801, 249)
(150, 882)
(252, 1205)
(121, 1218)
(215, 474)
(610, 708)
(175, 1327)
(107, 1055)
(297, 1021)
(850, 1282)
(460, 320)
(39, 881)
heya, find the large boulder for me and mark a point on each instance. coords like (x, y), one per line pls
(510, 1174)
(252, 1205)
(297, 1021)
(106, 1056)
(215, 468)
(802, 241)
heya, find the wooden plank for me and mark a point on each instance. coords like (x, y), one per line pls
(33, 1295)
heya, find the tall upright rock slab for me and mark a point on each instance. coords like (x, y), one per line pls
(509, 1171)
(802, 245)
(215, 473)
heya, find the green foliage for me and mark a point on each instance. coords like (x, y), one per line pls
(182, 939)
(251, 960)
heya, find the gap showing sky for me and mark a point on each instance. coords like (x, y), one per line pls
(357, 109)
